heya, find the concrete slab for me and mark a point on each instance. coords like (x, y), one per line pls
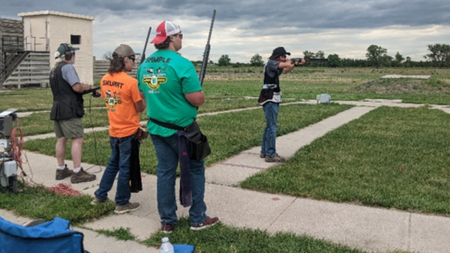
(244, 208)
(378, 102)
(429, 233)
(41, 169)
(99, 243)
(408, 76)
(141, 227)
(361, 227)
(247, 160)
(230, 175)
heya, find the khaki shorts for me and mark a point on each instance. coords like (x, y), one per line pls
(70, 128)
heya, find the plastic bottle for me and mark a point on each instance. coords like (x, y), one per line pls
(166, 246)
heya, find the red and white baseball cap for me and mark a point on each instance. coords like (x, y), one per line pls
(166, 28)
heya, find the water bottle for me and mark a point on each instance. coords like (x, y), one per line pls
(166, 246)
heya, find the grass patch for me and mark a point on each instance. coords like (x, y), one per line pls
(31, 100)
(231, 88)
(228, 134)
(122, 234)
(391, 158)
(226, 239)
(40, 203)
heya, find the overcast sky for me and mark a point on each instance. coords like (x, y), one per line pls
(244, 28)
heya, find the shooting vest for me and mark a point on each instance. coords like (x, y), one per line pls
(271, 91)
(67, 103)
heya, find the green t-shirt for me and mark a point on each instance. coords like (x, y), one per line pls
(164, 78)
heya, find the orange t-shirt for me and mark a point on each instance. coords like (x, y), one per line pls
(120, 92)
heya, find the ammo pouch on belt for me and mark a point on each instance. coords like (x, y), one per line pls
(141, 134)
(265, 94)
(198, 142)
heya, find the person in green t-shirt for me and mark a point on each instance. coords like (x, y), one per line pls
(173, 93)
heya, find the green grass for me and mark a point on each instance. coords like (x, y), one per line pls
(228, 88)
(122, 234)
(40, 203)
(391, 158)
(36, 100)
(228, 134)
(225, 239)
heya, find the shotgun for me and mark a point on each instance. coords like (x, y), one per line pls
(296, 60)
(145, 45)
(206, 53)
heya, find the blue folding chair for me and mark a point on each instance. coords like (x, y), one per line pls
(52, 236)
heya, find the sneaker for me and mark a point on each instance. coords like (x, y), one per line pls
(61, 174)
(206, 224)
(81, 177)
(96, 201)
(275, 159)
(127, 208)
(262, 155)
(167, 228)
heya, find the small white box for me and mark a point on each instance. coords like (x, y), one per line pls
(10, 168)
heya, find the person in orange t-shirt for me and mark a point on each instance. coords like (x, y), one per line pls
(124, 102)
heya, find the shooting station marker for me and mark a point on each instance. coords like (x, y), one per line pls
(408, 76)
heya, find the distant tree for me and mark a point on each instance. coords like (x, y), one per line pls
(440, 54)
(308, 54)
(256, 60)
(399, 57)
(377, 56)
(334, 60)
(397, 62)
(320, 55)
(408, 62)
(107, 56)
(224, 60)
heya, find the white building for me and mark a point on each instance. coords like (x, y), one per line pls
(44, 31)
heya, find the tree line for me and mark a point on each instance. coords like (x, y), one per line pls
(376, 56)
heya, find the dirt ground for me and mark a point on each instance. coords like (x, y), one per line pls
(404, 85)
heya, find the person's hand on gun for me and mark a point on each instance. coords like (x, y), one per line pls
(96, 94)
(90, 88)
(298, 61)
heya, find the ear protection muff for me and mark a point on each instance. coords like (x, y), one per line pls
(68, 55)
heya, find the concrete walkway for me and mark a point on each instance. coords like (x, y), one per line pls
(366, 228)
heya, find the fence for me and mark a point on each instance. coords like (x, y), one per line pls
(101, 68)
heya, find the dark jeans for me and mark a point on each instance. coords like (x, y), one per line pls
(119, 162)
(167, 154)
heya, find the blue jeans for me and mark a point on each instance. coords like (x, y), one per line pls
(167, 153)
(119, 162)
(268, 147)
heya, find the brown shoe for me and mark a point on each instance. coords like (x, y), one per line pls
(97, 201)
(81, 177)
(61, 174)
(275, 159)
(126, 208)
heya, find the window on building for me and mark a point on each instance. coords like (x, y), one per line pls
(75, 39)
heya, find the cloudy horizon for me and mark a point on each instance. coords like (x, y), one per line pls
(245, 28)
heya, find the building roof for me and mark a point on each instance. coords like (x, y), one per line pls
(56, 13)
